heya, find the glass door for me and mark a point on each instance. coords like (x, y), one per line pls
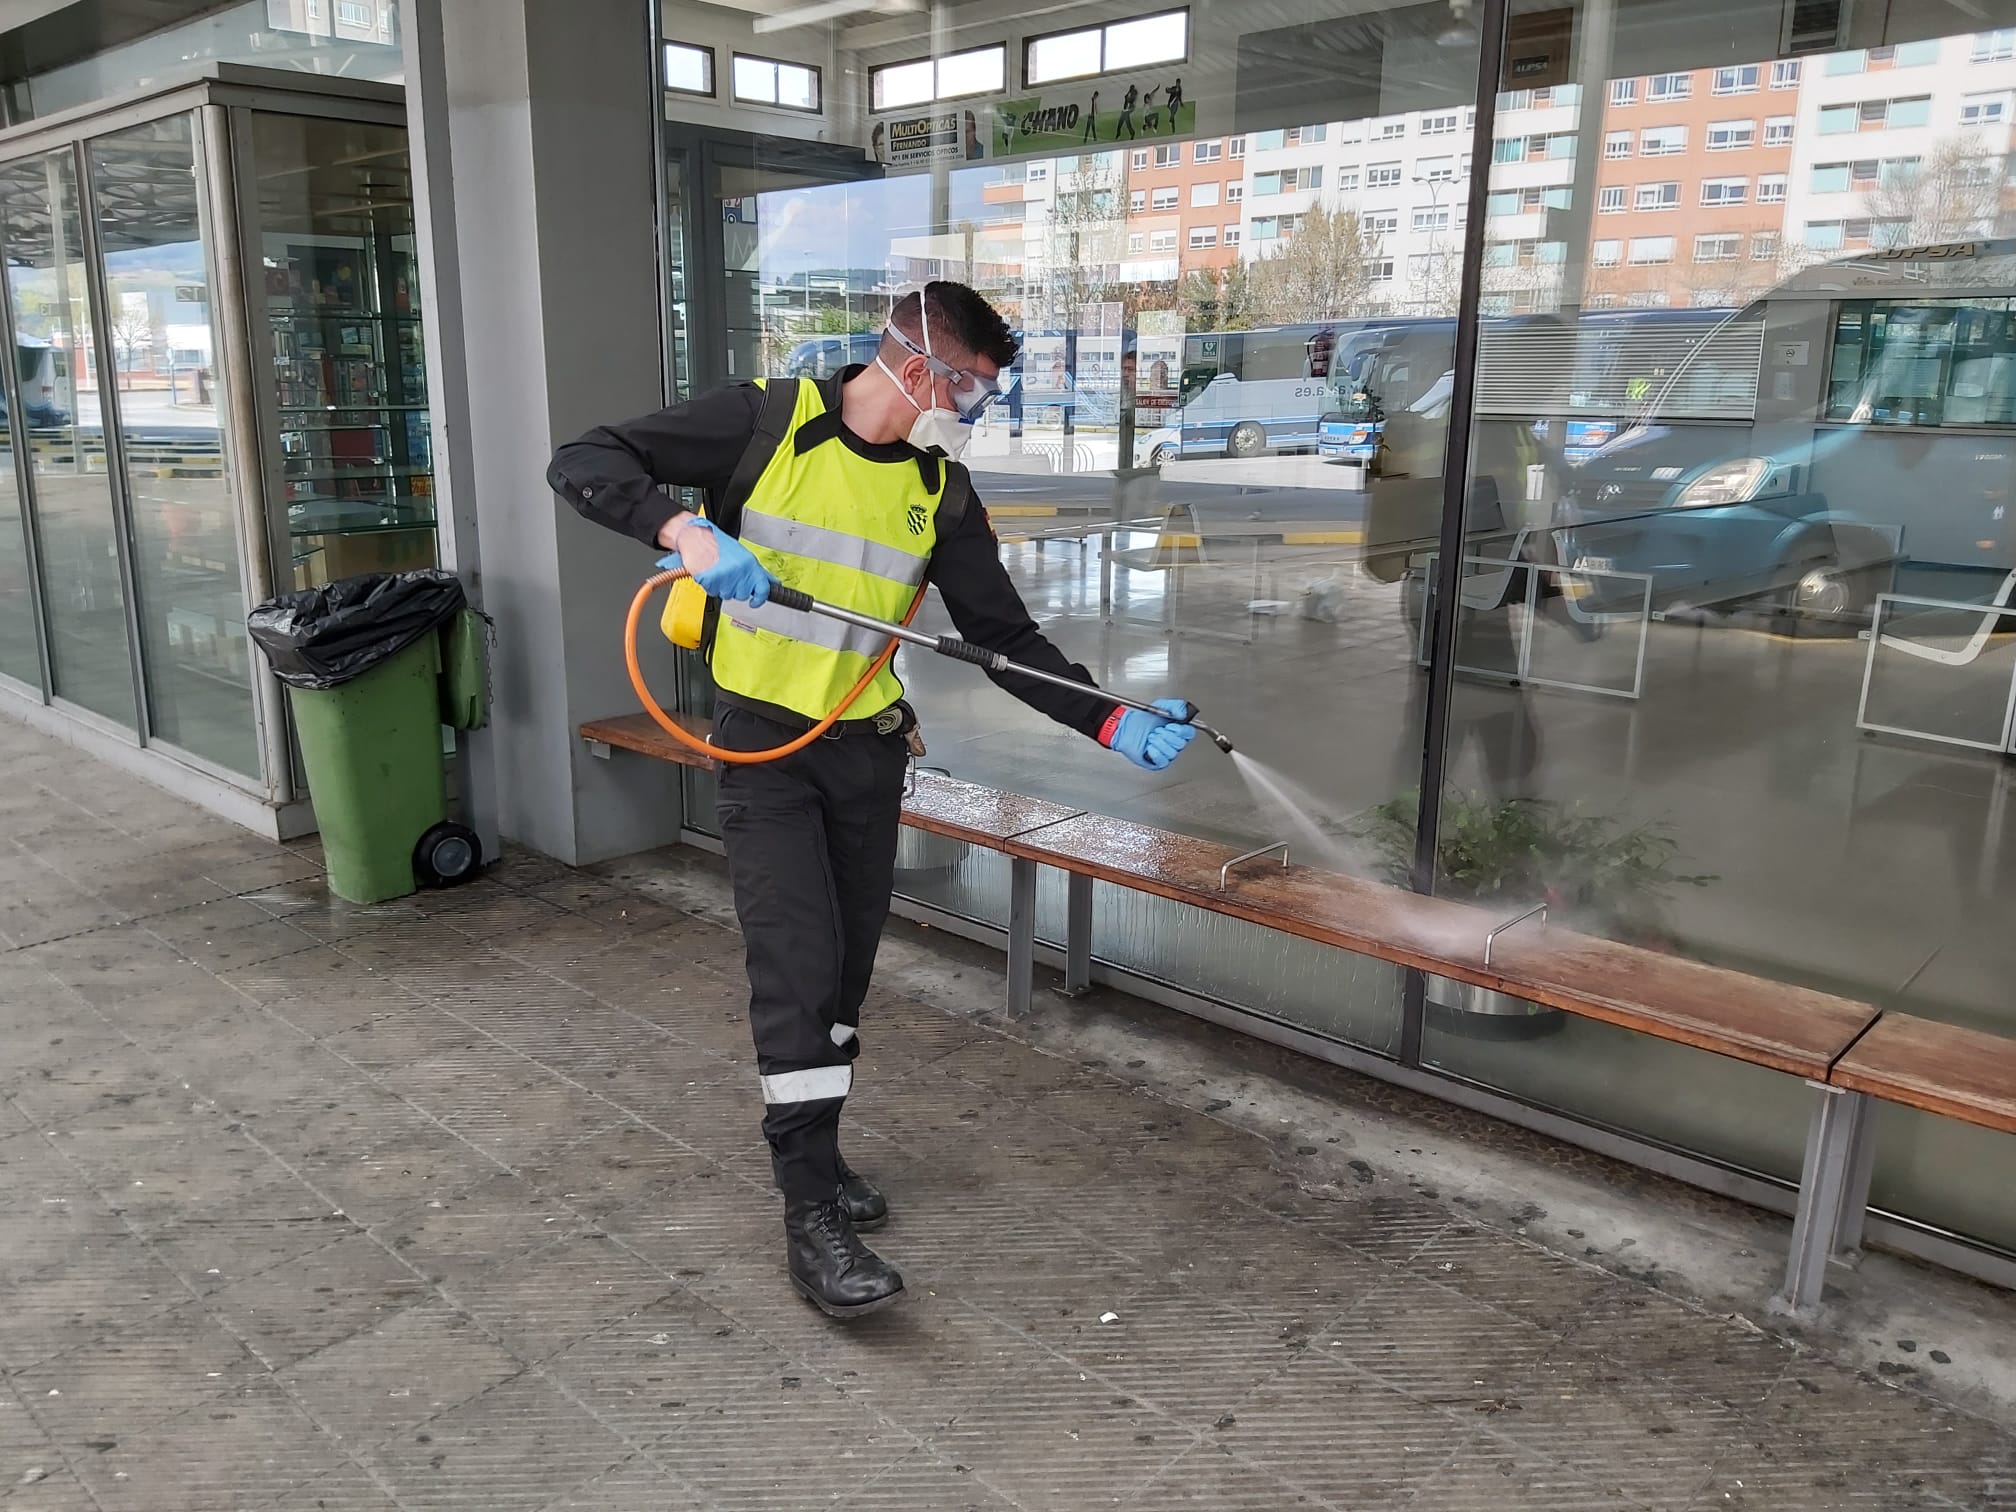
(61, 388)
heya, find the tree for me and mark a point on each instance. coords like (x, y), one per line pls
(1325, 272)
(1082, 240)
(1227, 300)
(1954, 192)
(132, 331)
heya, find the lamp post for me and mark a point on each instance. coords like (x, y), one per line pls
(1435, 227)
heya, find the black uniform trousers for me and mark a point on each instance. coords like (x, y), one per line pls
(811, 844)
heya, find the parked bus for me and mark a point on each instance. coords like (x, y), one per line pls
(1249, 393)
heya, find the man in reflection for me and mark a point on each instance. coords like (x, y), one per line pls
(848, 490)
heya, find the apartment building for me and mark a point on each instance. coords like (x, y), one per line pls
(1184, 203)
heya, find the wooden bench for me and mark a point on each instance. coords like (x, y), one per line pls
(1847, 1051)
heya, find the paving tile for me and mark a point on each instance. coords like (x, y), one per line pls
(637, 1485)
(1483, 1476)
(1183, 1355)
(1730, 1360)
(691, 1229)
(290, 1312)
(528, 1121)
(243, 1449)
(1058, 1439)
(240, 1240)
(456, 1236)
(1438, 1345)
(729, 1453)
(345, 1489)
(614, 1168)
(24, 1447)
(108, 1281)
(556, 1295)
(922, 1481)
(411, 1367)
(515, 1448)
(1339, 1435)
(1209, 1480)
(50, 1491)
(1516, 1277)
(134, 1377)
(372, 1185)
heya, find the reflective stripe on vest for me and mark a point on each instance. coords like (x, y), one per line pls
(847, 530)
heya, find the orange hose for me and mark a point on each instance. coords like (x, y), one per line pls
(707, 748)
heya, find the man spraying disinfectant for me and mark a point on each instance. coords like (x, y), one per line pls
(847, 491)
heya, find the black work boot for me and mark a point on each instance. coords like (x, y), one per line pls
(863, 1200)
(830, 1266)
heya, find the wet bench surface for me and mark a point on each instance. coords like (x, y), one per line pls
(1942, 1068)
(1766, 1023)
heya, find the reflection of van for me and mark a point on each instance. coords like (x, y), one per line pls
(38, 366)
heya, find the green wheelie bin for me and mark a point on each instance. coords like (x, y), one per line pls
(375, 666)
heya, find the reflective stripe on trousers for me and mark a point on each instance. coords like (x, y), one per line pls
(820, 1084)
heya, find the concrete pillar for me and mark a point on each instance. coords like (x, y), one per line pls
(532, 132)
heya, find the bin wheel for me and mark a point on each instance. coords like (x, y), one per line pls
(448, 855)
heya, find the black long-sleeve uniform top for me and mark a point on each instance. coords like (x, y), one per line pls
(612, 476)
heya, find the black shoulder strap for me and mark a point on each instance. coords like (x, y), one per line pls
(773, 424)
(956, 500)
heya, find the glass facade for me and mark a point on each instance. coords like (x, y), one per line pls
(1726, 669)
(238, 237)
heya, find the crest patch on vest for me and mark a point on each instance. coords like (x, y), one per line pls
(917, 518)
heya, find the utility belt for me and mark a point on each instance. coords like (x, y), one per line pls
(898, 719)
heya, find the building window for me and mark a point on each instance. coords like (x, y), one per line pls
(1137, 201)
(1203, 195)
(1138, 159)
(1347, 179)
(1208, 152)
(1995, 46)
(689, 70)
(1509, 150)
(1617, 144)
(1601, 301)
(1038, 172)
(1724, 247)
(1915, 111)
(353, 13)
(1234, 191)
(1651, 249)
(976, 71)
(1841, 64)
(1663, 196)
(1731, 136)
(1390, 131)
(1168, 157)
(1763, 246)
(1984, 109)
(1440, 123)
(1672, 86)
(770, 81)
(1266, 228)
(1165, 199)
(1785, 75)
(1648, 299)
(1662, 141)
(1623, 91)
(1835, 119)
(1137, 241)
(1724, 191)
(1432, 218)
(1160, 38)
(1380, 222)
(1777, 131)
(1306, 136)
(1744, 80)
(1607, 254)
(1231, 237)
(1162, 241)
(1611, 200)
(1823, 236)
(1771, 189)
(1436, 170)
(1238, 148)
(1381, 269)
(1203, 236)
(1829, 178)
(1382, 175)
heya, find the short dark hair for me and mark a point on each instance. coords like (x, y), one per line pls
(961, 320)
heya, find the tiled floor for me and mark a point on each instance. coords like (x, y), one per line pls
(459, 1203)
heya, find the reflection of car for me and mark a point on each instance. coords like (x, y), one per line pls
(1159, 447)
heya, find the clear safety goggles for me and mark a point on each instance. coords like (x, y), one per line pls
(970, 392)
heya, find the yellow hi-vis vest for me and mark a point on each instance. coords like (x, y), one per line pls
(848, 531)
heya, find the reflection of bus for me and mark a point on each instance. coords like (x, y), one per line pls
(1854, 427)
(1247, 393)
(39, 368)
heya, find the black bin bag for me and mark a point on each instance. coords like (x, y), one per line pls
(323, 637)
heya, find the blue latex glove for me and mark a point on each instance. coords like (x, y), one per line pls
(1152, 743)
(736, 575)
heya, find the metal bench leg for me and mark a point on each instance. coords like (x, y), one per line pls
(1078, 936)
(1837, 1150)
(1021, 935)
(1861, 1168)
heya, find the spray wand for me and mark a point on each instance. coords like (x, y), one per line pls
(979, 656)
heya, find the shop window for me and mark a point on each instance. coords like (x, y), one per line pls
(689, 69)
(1118, 45)
(771, 81)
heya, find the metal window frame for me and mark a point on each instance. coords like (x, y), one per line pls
(713, 90)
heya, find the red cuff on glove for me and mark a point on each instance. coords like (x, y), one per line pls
(1112, 725)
